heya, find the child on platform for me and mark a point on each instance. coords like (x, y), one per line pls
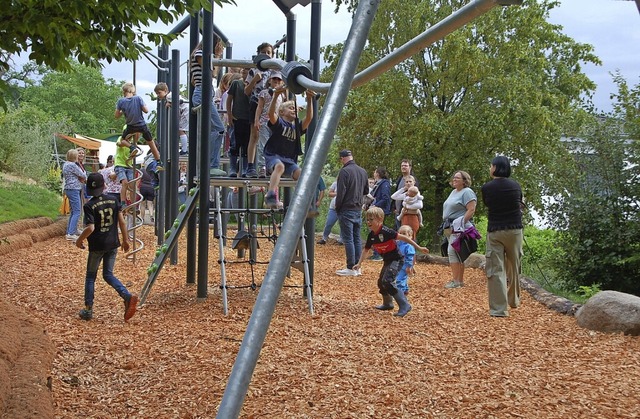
(283, 147)
(383, 240)
(162, 91)
(102, 217)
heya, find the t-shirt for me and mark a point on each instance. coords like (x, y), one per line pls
(240, 104)
(384, 242)
(503, 196)
(196, 68)
(102, 211)
(260, 85)
(283, 141)
(456, 204)
(131, 107)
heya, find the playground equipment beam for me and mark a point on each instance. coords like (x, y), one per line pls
(285, 246)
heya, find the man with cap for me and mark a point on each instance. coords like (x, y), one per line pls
(352, 186)
(102, 217)
(260, 123)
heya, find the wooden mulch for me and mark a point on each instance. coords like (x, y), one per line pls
(447, 358)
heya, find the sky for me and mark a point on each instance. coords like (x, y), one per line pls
(611, 26)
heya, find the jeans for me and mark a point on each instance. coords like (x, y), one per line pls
(332, 218)
(216, 136)
(108, 258)
(76, 207)
(350, 223)
(263, 136)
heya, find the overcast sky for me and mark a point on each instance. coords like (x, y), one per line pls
(611, 26)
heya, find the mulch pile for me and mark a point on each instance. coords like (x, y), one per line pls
(447, 358)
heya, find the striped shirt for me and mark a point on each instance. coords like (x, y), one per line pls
(196, 68)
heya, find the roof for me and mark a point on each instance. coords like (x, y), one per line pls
(82, 141)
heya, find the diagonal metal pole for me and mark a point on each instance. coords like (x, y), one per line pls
(260, 319)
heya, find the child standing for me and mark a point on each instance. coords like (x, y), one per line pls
(409, 253)
(262, 118)
(132, 107)
(283, 147)
(101, 214)
(162, 91)
(383, 240)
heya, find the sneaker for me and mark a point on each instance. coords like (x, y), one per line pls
(322, 241)
(71, 237)
(214, 171)
(130, 306)
(375, 258)
(254, 190)
(159, 166)
(271, 200)
(134, 150)
(262, 173)
(348, 272)
(453, 284)
(86, 314)
(251, 173)
(233, 174)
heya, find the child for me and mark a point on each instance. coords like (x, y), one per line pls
(123, 169)
(101, 214)
(383, 240)
(262, 118)
(162, 91)
(412, 204)
(283, 147)
(239, 118)
(132, 107)
(408, 252)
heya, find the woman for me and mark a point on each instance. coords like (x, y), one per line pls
(74, 178)
(458, 210)
(411, 217)
(381, 198)
(503, 198)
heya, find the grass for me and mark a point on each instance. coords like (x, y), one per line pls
(20, 200)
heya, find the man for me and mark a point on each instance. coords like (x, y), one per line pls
(353, 185)
(406, 169)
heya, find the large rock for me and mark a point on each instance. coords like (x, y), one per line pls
(611, 311)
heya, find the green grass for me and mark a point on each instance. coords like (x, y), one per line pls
(19, 201)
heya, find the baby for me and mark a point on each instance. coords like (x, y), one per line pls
(412, 204)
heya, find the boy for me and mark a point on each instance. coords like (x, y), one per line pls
(383, 240)
(101, 214)
(408, 252)
(283, 147)
(132, 107)
(162, 91)
(123, 170)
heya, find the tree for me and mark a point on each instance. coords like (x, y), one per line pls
(83, 97)
(54, 31)
(508, 82)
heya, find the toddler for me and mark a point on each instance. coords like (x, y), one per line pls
(408, 252)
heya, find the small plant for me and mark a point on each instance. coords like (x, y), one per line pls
(588, 291)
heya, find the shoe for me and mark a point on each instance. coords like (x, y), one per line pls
(251, 173)
(134, 151)
(71, 237)
(453, 284)
(375, 258)
(271, 200)
(130, 306)
(184, 153)
(348, 272)
(86, 314)
(312, 213)
(233, 174)
(254, 190)
(322, 241)
(340, 243)
(159, 166)
(214, 171)
(262, 173)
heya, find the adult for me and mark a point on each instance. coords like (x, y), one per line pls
(353, 185)
(109, 160)
(74, 179)
(381, 194)
(410, 217)
(217, 128)
(406, 169)
(458, 210)
(332, 216)
(503, 198)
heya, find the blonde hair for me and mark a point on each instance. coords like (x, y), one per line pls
(466, 178)
(72, 155)
(285, 105)
(128, 88)
(414, 190)
(406, 230)
(376, 213)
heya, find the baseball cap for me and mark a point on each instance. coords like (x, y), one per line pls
(276, 74)
(95, 184)
(345, 153)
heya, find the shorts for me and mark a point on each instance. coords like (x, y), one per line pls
(290, 166)
(148, 193)
(144, 129)
(123, 173)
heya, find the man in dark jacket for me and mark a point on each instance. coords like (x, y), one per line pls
(352, 186)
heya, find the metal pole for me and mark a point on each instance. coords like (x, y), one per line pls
(205, 132)
(172, 146)
(260, 319)
(161, 198)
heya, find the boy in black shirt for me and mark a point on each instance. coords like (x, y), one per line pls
(383, 240)
(102, 217)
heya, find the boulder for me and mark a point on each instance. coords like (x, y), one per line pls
(611, 311)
